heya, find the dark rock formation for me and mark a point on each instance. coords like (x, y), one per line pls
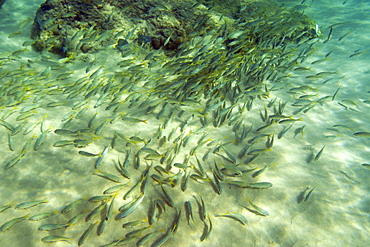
(1, 3)
(67, 27)
(151, 18)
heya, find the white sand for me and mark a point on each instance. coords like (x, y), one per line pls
(337, 214)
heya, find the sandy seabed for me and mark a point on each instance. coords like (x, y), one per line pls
(336, 214)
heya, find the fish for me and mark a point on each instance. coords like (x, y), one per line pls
(362, 134)
(86, 234)
(290, 120)
(232, 171)
(5, 207)
(7, 225)
(336, 92)
(26, 205)
(285, 131)
(29, 108)
(136, 232)
(100, 198)
(152, 212)
(207, 234)
(302, 195)
(254, 139)
(130, 207)
(63, 143)
(25, 116)
(95, 211)
(17, 129)
(184, 181)
(114, 189)
(309, 193)
(259, 185)
(52, 239)
(150, 151)
(257, 210)
(51, 227)
(42, 216)
(146, 238)
(330, 35)
(65, 132)
(13, 161)
(330, 52)
(363, 164)
(133, 189)
(72, 205)
(357, 53)
(299, 130)
(12, 35)
(303, 69)
(318, 62)
(343, 105)
(176, 222)
(40, 140)
(217, 172)
(260, 171)
(331, 137)
(124, 241)
(87, 154)
(205, 231)
(110, 208)
(216, 186)
(162, 239)
(270, 142)
(235, 216)
(132, 224)
(201, 208)
(350, 102)
(244, 151)
(108, 176)
(188, 211)
(102, 155)
(318, 155)
(325, 73)
(92, 121)
(167, 198)
(229, 155)
(129, 35)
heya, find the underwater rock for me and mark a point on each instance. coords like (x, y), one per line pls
(155, 19)
(75, 26)
(1, 3)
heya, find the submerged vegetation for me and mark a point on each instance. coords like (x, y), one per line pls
(165, 129)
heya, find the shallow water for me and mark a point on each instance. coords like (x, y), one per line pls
(336, 214)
